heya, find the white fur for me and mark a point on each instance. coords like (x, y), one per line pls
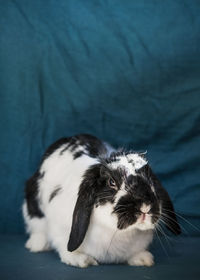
(103, 241)
(131, 163)
(145, 208)
(108, 244)
(142, 258)
(120, 193)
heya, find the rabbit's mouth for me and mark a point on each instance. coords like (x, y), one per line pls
(145, 221)
(143, 217)
(147, 218)
(142, 221)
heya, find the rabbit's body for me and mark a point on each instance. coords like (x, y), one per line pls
(53, 197)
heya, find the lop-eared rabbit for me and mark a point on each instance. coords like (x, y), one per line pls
(93, 204)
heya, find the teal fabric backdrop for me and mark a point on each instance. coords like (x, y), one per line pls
(125, 71)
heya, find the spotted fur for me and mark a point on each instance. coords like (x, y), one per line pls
(93, 204)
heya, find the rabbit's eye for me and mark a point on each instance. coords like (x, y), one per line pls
(112, 184)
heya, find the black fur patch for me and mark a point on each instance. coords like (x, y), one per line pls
(94, 190)
(128, 207)
(55, 146)
(168, 211)
(95, 184)
(114, 157)
(31, 195)
(126, 211)
(72, 144)
(54, 193)
(78, 154)
(92, 145)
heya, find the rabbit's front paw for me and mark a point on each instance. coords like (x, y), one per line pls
(144, 258)
(37, 243)
(78, 259)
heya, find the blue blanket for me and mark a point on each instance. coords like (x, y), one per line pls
(125, 71)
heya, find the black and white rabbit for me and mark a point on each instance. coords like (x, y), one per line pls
(92, 204)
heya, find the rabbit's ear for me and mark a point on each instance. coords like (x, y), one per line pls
(80, 223)
(83, 208)
(168, 211)
(167, 208)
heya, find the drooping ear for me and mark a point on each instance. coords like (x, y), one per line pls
(83, 209)
(168, 212)
(80, 223)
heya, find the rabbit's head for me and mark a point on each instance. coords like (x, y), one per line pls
(121, 192)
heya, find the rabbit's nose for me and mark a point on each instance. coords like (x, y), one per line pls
(145, 208)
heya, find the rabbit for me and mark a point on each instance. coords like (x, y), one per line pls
(93, 204)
